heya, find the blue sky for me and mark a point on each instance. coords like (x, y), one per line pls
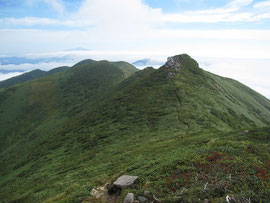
(134, 29)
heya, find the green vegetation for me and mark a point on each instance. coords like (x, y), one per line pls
(182, 131)
(35, 74)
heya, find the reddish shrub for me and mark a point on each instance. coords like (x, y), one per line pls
(214, 157)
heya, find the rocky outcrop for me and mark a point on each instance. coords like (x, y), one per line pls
(179, 63)
(110, 193)
(173, 62)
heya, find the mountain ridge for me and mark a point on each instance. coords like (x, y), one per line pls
(87, 125)
(32, 75)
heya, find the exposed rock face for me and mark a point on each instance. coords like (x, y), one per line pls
(173, 62)
(181, 62)
(129, 198)
(174, 65)
(125, 181)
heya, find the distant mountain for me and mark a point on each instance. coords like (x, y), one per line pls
(30, 76)
(189, 135)
(3, 71)
(25, 60)
(77, 49)
(147, 62)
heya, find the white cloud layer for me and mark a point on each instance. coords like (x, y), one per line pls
(29, 67)
(253, 73)
(211, 43)
(4, 76)
(262, 4)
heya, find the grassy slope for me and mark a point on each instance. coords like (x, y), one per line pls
(38, 104)
(32, 75)
(188, 102)
(147, 125)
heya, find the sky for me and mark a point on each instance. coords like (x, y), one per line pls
(227, 37)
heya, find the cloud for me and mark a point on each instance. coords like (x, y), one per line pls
(215, 43)
(4, 76)
(227, 34)
(31, 21)
(29, 67)
(117, 14)
(135, 14)
(133, 27)
(229, 13)
(251, 72)
(237, 4)
(56, 5)
(197, 17)
(262, 4)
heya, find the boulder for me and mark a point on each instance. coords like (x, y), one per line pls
(129, 198)
(142, 199)
(125, 181)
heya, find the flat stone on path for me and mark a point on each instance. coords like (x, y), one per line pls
(125, 181)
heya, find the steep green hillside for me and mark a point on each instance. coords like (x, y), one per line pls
(178, 128)
(46, 103)
(185, 99)
(35, 74)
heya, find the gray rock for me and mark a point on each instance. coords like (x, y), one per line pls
(125, 181)
(129, 198)
(246, 132)
(173, 62)
(171, 75)
(170, 62)
(142, 199)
